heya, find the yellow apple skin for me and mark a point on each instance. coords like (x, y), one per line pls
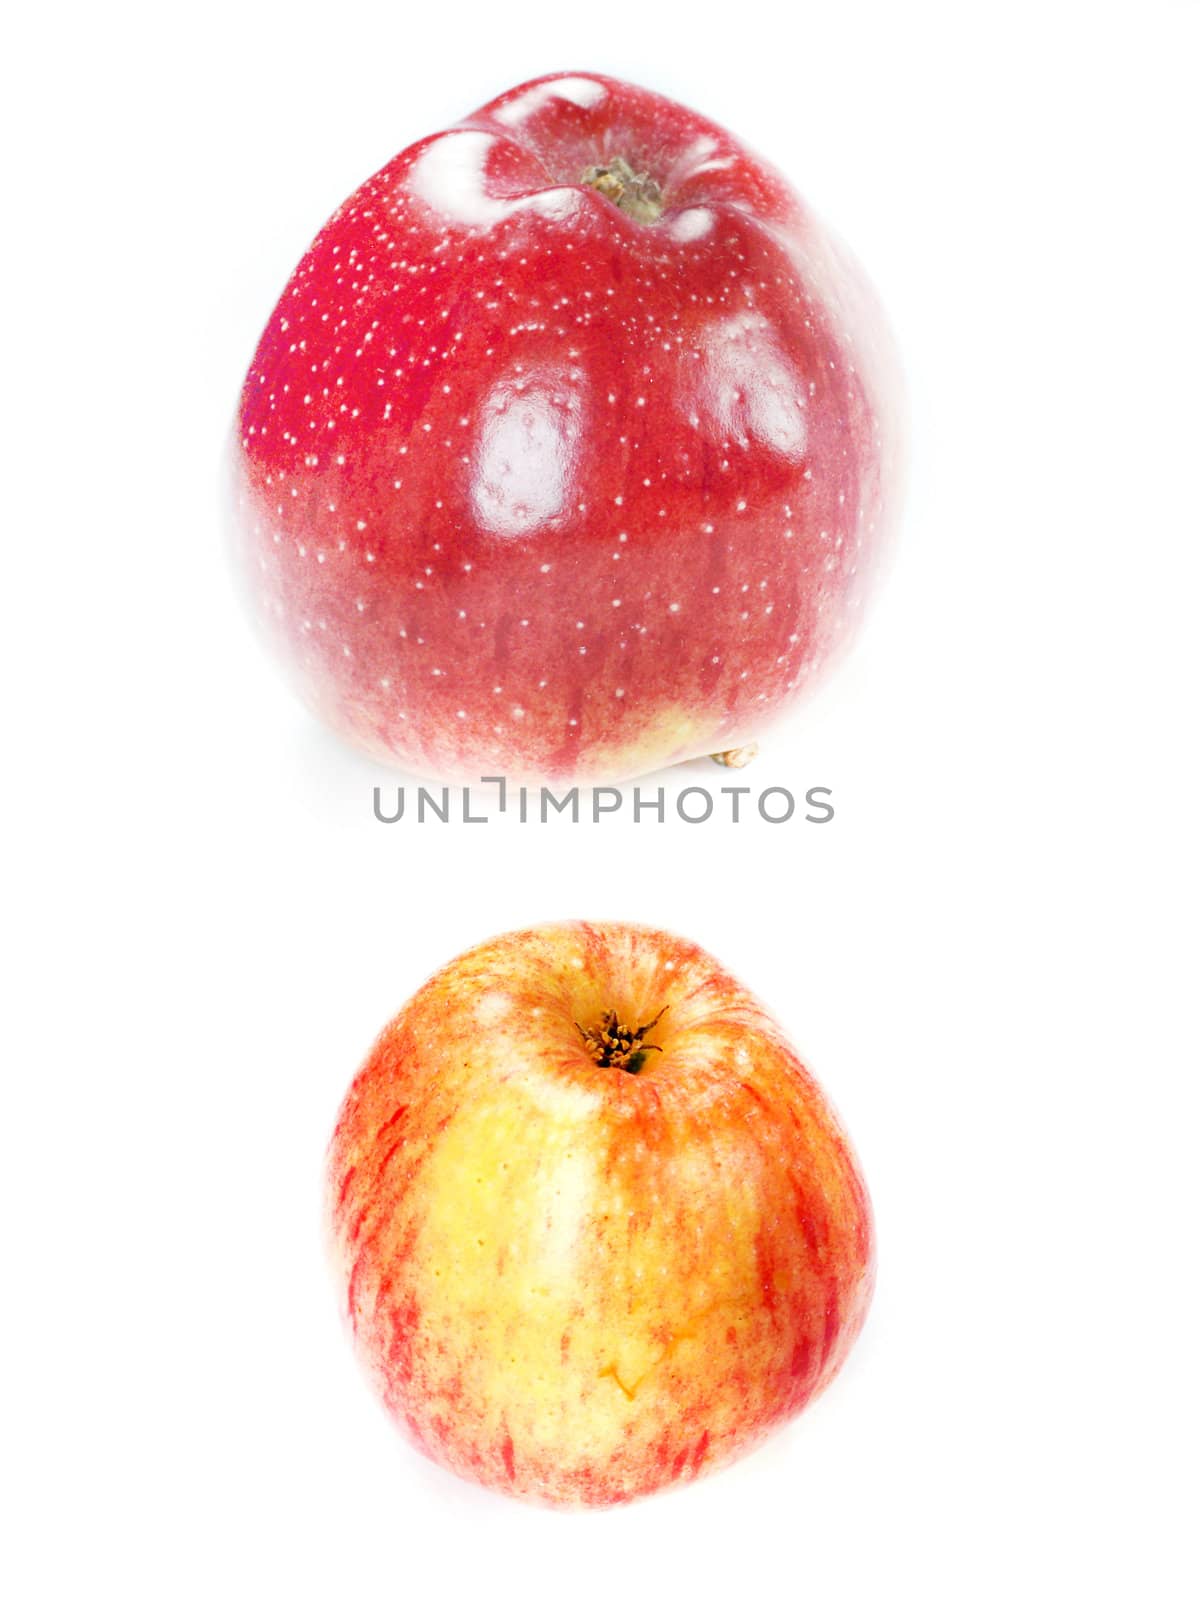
(575, 1283)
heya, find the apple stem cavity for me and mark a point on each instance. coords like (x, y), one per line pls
(611, 1043)
(634, 193)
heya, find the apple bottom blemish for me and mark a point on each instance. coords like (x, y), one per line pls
(597, 1229)
(691, 805)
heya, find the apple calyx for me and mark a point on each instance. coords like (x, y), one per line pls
(742, 756)
(612, 1043)
(634, 193)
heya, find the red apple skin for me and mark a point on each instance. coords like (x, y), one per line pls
(572, 1283)
(525, 485)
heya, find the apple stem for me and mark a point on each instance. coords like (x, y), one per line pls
(611, 1043)
(634, 193)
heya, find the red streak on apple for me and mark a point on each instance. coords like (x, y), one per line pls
(577, 1282)
(529, 482)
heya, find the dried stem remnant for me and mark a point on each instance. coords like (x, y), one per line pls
(635, 193)
(611, 1043)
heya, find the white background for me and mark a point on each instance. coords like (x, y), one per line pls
(989, 957)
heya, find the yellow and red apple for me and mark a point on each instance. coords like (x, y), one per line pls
(598, 1228)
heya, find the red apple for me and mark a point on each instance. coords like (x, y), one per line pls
(598, 1229)
(569, 448)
